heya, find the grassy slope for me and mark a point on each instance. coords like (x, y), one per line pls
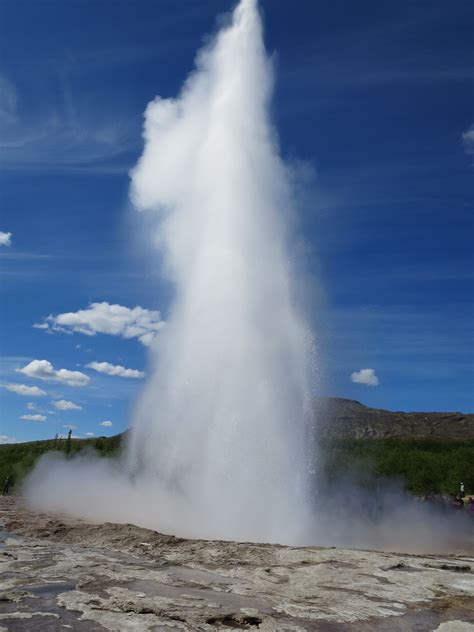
(17, 459)
(425, 465)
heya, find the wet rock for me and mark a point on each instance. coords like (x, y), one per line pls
(121, 577)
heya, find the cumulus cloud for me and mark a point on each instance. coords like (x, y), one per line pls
(468, 140)
(365, 376)
(44, 370)
(27, 391)
(63, 404)
(5, 238)
(106, 424)
(115, 369)
(5, 439)
(34, 417)
(104, 318)
(90, 434)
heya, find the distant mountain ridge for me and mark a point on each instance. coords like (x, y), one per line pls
(431, 452)
(339, 418)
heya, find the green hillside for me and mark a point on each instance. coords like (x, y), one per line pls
(424, 465)
(17, 459)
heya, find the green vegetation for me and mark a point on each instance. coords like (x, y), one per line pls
(17, 459)
(425, 465)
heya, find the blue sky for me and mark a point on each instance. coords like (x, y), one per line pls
(374, 100)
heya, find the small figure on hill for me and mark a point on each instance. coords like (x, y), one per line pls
(461, 490)
(68, 442)
(6, 486)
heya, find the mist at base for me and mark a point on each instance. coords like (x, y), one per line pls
(221, 445)
(343, 513)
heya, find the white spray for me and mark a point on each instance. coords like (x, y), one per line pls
(219, 446)
(221, 423)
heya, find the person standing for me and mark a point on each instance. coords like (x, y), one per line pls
(6, 486)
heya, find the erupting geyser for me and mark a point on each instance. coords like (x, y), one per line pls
(221, 425)
(221, 443)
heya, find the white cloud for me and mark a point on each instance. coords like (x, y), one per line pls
(27, 391)
(5, 439)
(5, 238)
(33, 417)
(70, 427)
(365, 376)
(43, 370)
(106, 424)
(31, 406)
(63, 404)
(41, 326)
(104, 318)
(115, 369)
(90, 434)
(468, 140)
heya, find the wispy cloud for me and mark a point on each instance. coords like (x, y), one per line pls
(106, 424)
(8, 102)
(26, 391)
(468, 140)
(104, 318)
(44, 370)
(34, 417)
(412, 342)
(376, 53)
(63, 404)
(23, 256)
(115, 369)
(63, 133)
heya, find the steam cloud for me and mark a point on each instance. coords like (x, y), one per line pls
(220, 434)
(221, 441)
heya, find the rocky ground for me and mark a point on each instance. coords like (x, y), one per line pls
(60, 574)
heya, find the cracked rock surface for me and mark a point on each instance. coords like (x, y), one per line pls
(63, 574)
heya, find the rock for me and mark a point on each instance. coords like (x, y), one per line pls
(101, 577)
(339, 418)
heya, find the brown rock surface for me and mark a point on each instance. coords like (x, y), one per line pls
(59, 574)
(345, 418)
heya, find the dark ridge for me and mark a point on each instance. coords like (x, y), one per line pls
(339, 418)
